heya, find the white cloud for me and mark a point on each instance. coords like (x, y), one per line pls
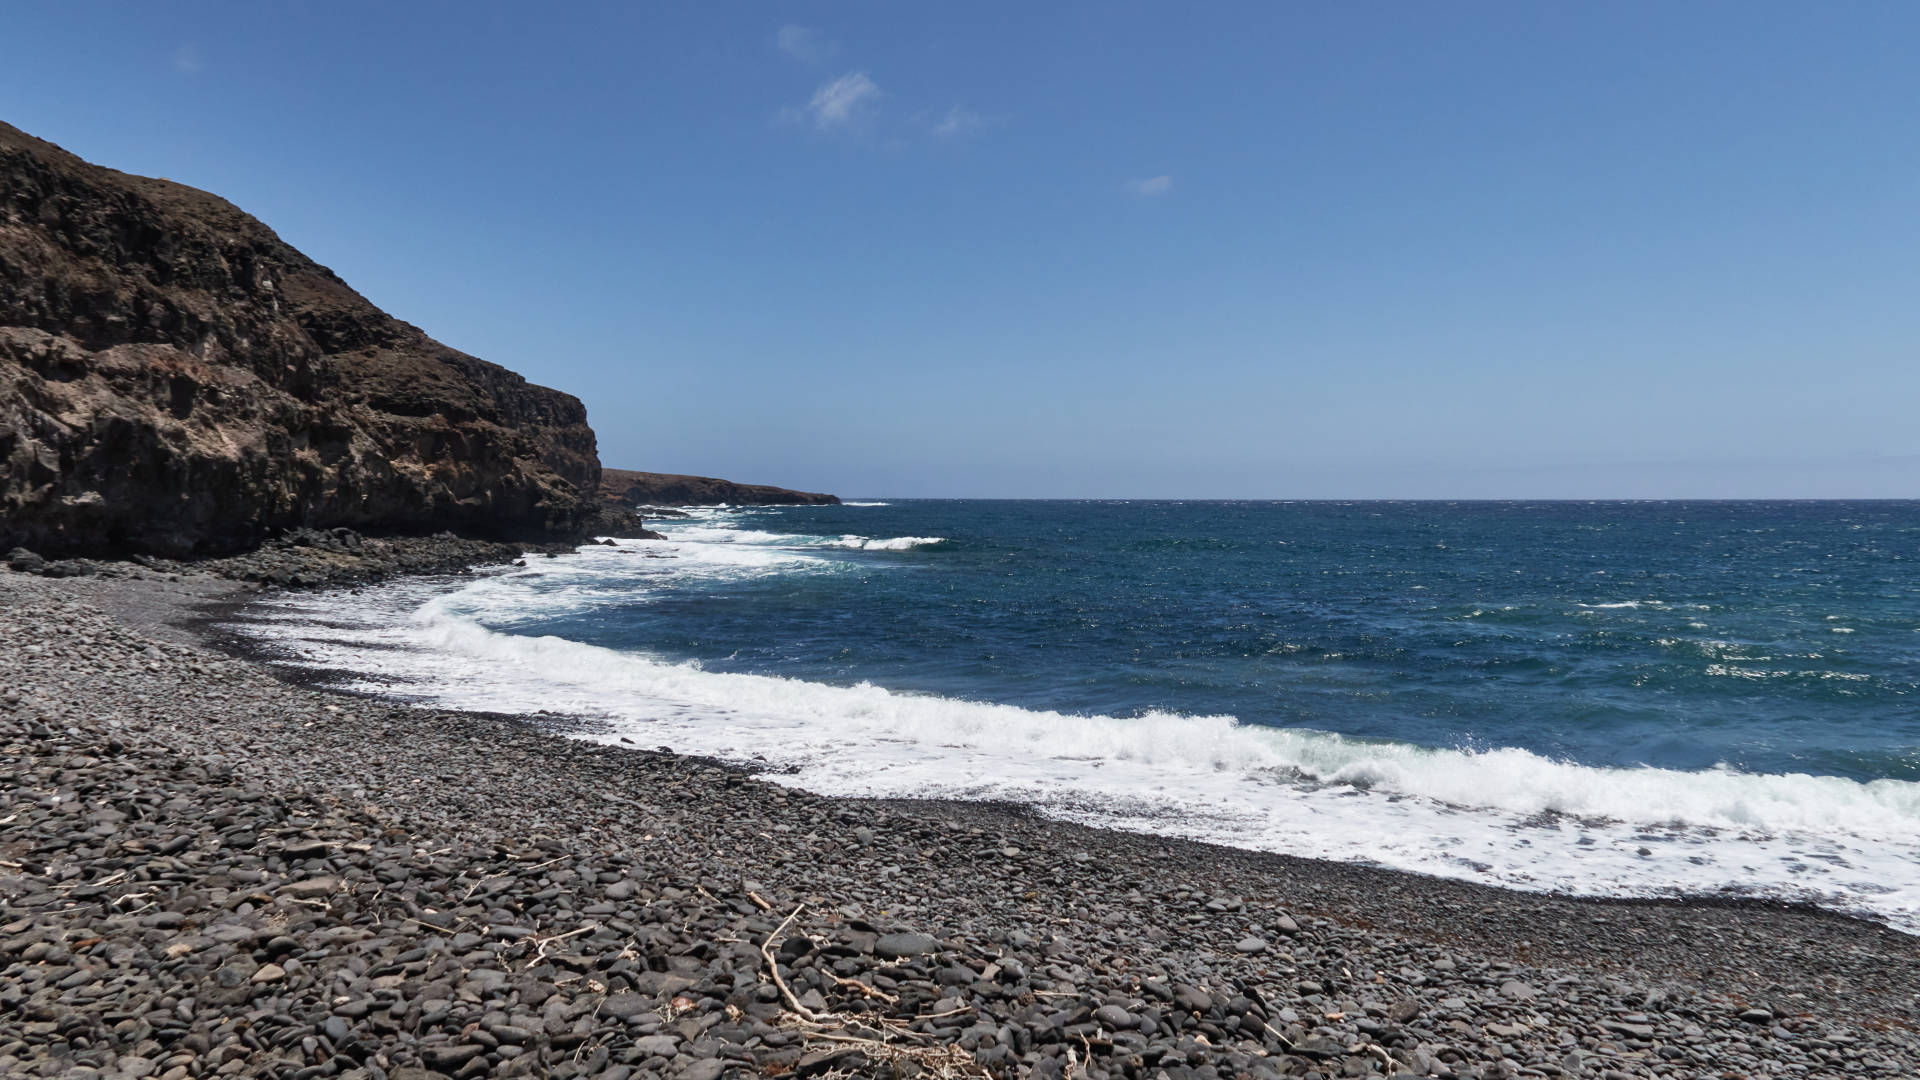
(1152, 185)
(838, 103)
(804, 44)
(187, 61)
(958, 121)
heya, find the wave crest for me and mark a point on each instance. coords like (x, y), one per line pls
(1504, 815)
(895, 543)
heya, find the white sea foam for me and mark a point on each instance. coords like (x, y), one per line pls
(715, 531)
(895, 543)
(866, 504)
(1504, 816)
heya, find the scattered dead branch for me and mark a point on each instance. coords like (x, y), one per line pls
(884, 1040)
(773, 968)
(1386, 1059)
(541, 944)
(856, 984)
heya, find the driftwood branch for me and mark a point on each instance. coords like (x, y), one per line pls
(940, 1060)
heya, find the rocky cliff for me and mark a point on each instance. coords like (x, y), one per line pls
(176, 379)
(629, 488)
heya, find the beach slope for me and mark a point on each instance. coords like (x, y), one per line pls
(209, 871)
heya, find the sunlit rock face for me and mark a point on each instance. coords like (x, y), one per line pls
(176, 379)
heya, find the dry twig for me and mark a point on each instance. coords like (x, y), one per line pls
(943, 1061)
(773, 969)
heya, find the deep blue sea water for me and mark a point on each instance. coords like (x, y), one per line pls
(1613, 698)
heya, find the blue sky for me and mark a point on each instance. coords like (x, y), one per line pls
(1115, 250)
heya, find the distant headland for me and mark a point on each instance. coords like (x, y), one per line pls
(628, 488)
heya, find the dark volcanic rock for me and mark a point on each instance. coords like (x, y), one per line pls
(176, 379)
(208, 873)
(634, 489)
(616, 520)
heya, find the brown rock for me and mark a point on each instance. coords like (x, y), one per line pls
(176, 379)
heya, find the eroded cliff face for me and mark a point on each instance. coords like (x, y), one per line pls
(176, 379)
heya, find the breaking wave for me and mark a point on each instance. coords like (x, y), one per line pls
(1504, 816)
(896, 543)
(1501, 815)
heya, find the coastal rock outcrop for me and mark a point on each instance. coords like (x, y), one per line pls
(175, 379)
(629, 488)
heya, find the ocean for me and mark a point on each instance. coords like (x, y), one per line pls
(1591, 698)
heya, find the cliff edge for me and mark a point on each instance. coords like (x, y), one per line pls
(175, 379)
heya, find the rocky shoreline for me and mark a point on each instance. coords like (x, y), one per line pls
(207, 871)
(311, 559)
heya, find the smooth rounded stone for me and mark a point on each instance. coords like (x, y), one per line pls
(484, 981)
(1518, 990)
(660, 983)
(1115, 1017)
(1757, 1016)
(448, 1057)
(311, 888)
(268, 973)
(900, 946)
(1250, 945)
(657, 1046)
(624, 1007)
(1192, 998)
(1321, 1048)
(706, 1069)
(230, 976)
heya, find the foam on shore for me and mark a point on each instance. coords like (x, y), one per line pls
(1502, 815)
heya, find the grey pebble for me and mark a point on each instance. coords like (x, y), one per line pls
(371, 890)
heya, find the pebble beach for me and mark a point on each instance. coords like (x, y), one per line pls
(208, 870)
